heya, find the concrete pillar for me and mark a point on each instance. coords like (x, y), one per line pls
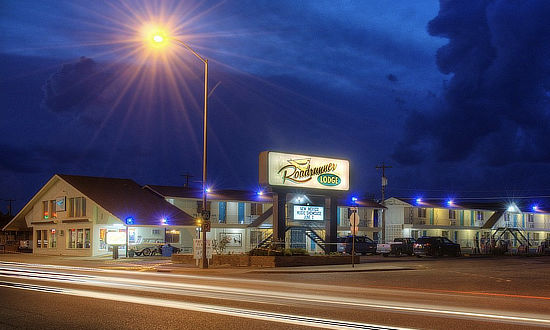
(331, 204)
(279, 220)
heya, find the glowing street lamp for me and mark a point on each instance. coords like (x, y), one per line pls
(158, 40)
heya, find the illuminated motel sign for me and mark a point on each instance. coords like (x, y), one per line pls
(303, 171)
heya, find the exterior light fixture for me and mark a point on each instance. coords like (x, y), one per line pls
(450, 202)
(207, 190)
(129, 221)
(535, 208)
(164, 221)
(418, 200)
(260, 193)
(354, 199)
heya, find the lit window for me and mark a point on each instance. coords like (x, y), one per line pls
(77, 207)
(452, 214)
(421, 212)
(479, 215)
(79, 238)
(45, 212)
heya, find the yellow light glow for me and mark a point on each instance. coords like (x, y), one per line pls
(154, 36)
(158, 38)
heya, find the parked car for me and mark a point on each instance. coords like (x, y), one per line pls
(544, 248)
(363, 245)
(399, 246)
(147, 247)
(436, 246)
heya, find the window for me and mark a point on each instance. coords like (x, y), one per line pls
(103, 239)
(53, 238)
(77, 207)
(421, 212)
(42, 239)
(45, 213)
(156, 232)
(53, 212)
(87, 238)
(530, 217)
(479, 215)
(222, 211)
(452, 214)
(39, 238)
(173, 236)
(255, 209)
(445, 233)
(79, 238)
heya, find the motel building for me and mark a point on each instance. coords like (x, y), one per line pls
(471, 223)
(304, 203)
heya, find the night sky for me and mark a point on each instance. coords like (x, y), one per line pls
(454, 95)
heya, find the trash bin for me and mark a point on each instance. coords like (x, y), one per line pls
(166, 250)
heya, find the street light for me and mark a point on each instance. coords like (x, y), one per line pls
(159, 39)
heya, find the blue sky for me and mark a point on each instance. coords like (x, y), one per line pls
(433, 93)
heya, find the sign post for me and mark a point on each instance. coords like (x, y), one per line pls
(354, 223)
(198, 249)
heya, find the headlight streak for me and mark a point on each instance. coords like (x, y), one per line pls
(235, 312)
(267, 297)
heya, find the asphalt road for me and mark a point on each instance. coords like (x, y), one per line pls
(411, 293)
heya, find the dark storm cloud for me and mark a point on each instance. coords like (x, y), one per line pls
(496, 104)
(315, 41)
(76, 85)
(36, 159)
(391, 77)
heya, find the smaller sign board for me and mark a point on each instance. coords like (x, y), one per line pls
(197, 248)
(116, 238)
(305, 212)
(206, 225)
(354, 221)
(60, 204)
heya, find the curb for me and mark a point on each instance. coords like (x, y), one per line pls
(346, 270)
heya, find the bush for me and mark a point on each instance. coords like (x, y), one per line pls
(278, 252)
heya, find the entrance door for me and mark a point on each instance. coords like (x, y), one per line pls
(298, 238)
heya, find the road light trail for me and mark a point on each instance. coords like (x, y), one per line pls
(228, 311)
(265, 296)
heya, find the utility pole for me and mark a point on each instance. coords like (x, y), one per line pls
(9, 207)
(186, 176)
(384, 184)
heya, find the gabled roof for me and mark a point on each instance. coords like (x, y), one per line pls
(361, 203)
(121, 197)
(125, 198)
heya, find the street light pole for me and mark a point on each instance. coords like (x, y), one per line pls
(204, 260)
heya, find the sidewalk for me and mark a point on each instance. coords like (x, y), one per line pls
(165, 265)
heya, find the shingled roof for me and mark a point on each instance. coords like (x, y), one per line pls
(489, 204)
(216, 195)
(125, 198)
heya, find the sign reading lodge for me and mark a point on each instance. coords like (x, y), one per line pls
(303, 171)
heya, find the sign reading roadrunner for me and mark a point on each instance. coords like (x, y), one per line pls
(303, 171)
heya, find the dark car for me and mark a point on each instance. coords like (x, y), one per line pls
(436, 247)
(363, 245)
(399, 246)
